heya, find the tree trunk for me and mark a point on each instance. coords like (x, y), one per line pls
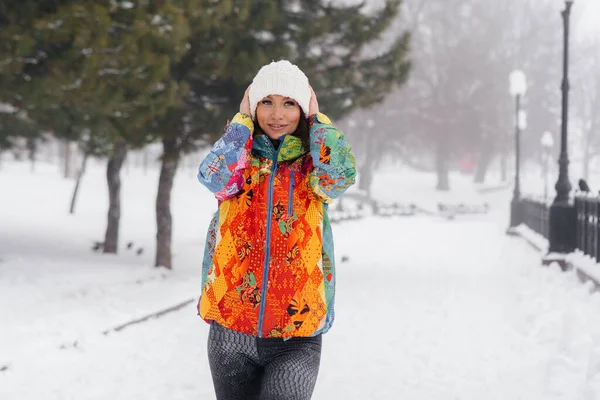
(145, 162)
(367, 168)
(113, 170)
(483, 164)
(32, 161)
(67, 147)
(503, 167)
(32, 150)
(164, 220)
(441, 167)
(79, 176)
(366, 177)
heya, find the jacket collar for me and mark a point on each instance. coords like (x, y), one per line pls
(290, 148)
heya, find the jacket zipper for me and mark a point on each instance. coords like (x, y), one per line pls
(265, 277)
(291, 195)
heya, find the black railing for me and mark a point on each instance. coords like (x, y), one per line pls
(535, 213)
(587, 208)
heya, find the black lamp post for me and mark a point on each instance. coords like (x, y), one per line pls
(562, 211)
(518, 87)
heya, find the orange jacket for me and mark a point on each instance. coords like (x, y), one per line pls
(268, 266)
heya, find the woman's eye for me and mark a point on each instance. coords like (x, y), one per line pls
(290, 103)
(266, 102)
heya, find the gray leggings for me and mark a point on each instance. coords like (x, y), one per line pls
(245, 367)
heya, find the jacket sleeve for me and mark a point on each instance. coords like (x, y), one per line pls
(222, 171)
(334, 164)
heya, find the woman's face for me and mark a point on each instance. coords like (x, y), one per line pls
(278, 115)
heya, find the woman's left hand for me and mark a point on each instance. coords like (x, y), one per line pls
(313, 106)
(245, 104)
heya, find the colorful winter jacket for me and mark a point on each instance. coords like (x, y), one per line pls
(268, 267)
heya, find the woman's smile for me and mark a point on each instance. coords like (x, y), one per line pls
(277, 127)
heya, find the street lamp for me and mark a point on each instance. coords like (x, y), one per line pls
(518, 88)
(547, 144)
(562, 211)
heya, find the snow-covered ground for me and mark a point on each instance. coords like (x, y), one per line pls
(427, 308)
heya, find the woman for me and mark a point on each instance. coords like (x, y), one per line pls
(268, 278)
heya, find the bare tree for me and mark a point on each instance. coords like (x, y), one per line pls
(456, 103)
(113, 178)
(586, 99)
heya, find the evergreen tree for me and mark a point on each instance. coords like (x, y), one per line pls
(17, 57)
(101, 67)
(231, 39)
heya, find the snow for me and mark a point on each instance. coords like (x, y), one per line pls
(76, 84)
(577, 260)
(264, 36)
(586, 264)
(7, 108)
(127, 5)
(113, 71)
(427, 307)
(535, 239)
(404, 186)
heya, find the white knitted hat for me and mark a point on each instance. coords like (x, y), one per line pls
(282, 78)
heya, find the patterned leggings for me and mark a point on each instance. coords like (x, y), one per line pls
(245, 367)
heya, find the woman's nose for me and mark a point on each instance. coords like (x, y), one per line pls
(277, 113)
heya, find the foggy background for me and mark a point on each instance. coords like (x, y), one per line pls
(455, 111)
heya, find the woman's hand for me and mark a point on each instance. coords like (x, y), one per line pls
(313, 106)
(245, 104)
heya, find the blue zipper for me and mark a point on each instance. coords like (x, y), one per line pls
(265, 276)
(291, 195)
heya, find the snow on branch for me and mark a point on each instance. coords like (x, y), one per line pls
(127, 5)
(73, 85)
(113, 71)
(7, 108)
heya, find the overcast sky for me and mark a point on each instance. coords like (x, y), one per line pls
(592, 15)
(590, 22)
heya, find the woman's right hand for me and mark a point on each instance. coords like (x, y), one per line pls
(245, 104)
(313, 106)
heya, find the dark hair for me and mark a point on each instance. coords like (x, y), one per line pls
(302, 132)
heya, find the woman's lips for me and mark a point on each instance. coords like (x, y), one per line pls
(277, 127)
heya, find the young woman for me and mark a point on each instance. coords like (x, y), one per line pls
(268, 278)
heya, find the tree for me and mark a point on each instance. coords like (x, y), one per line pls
(104, 67)
(586, 99)
(456, 103)
(231, 40)
(148, 39)
(17, 18)
(15, 125)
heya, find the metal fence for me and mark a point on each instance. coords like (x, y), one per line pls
(587, 207)
(535, 214)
